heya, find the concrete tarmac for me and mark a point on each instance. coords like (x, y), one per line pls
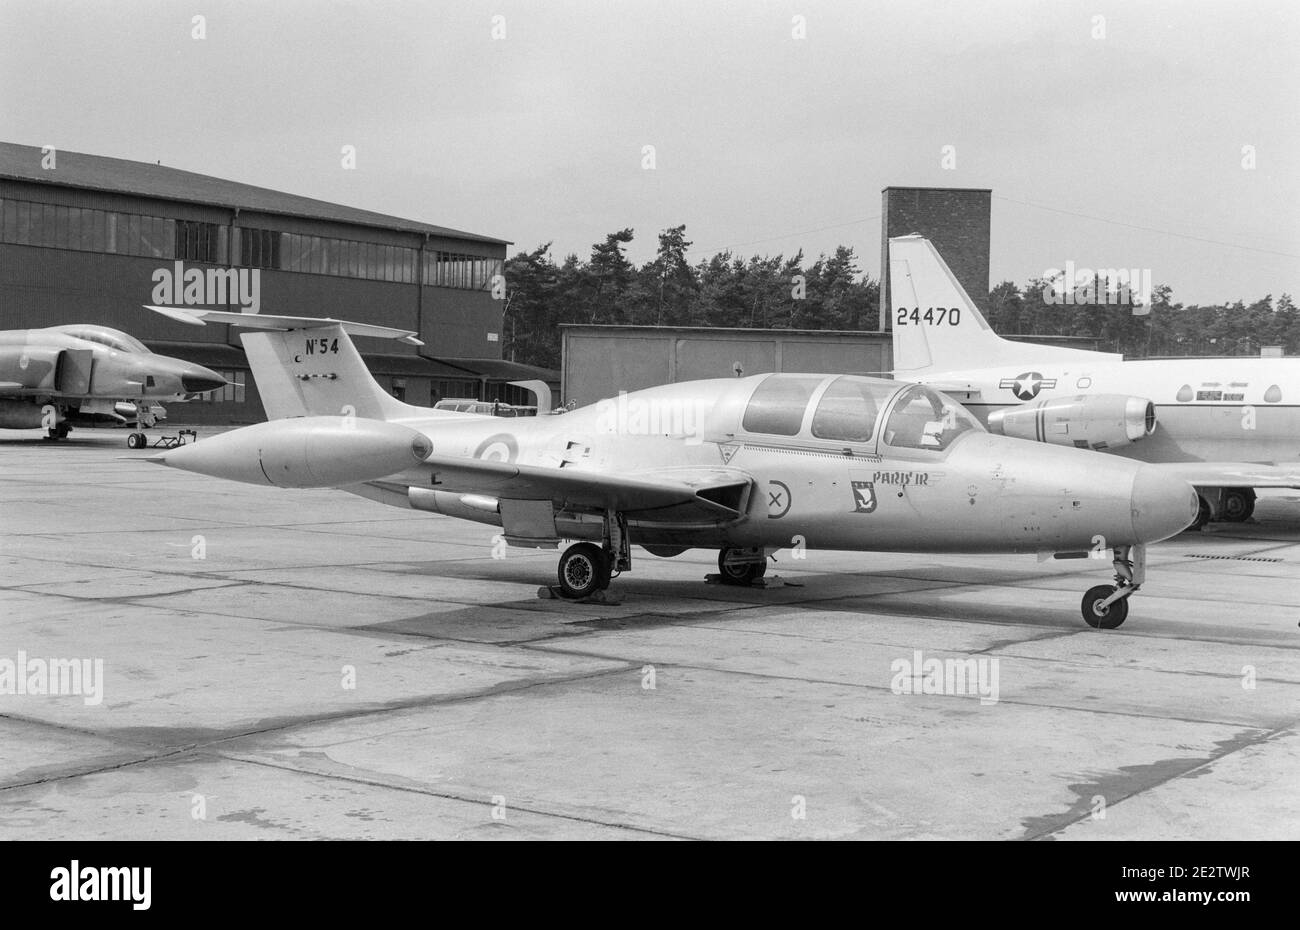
(309, 664)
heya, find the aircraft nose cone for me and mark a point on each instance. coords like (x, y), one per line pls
(1163, 505)
(197, 380)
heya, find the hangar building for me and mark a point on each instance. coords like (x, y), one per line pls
(89, 239)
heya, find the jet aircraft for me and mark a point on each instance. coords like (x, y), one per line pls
(1233, 424)
(88, 375)
(746, 466)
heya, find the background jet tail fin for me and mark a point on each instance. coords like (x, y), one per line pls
(937, 327)
(935, 323)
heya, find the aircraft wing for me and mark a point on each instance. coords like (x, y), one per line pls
(1233, 474)
(715, 493)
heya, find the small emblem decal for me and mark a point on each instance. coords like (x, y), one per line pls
(778, 500)
(864, 496)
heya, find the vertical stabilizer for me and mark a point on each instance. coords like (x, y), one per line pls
(937, 327)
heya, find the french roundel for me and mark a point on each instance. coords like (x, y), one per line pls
(499, 448)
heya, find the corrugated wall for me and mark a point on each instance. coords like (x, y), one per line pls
(600, 361)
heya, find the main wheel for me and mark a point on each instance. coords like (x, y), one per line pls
(739, 573)
(1103, 618)
(584, 570)
(136, 441)
(1202, 513)
(1238, 504)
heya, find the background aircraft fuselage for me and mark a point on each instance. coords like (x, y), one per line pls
(78, 373)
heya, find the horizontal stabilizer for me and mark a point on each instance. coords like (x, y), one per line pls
(197, 316)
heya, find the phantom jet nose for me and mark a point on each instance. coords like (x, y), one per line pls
(196, 379)
(1163, 504)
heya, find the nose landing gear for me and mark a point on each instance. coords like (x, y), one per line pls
(1105, 607)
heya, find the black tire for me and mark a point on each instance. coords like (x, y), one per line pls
(1238, 504)
(743, 574)
(584, 569)
(135, 441)
(1202, 513)
(1103, 618)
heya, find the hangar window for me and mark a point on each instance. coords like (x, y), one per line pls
(150, 236)
(259, 248)
(926, 419)
(777, 406)
(196, 242)
(848, 409)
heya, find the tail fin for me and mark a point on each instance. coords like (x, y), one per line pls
(937, 327)
(310, 367)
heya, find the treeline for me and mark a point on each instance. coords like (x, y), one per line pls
(831, 292)
(768, 292)
(1162, 327)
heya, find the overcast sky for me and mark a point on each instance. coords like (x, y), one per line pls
(1124, 150)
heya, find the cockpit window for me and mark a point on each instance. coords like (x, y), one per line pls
(848, 409)
(926, 419)
(778, 404)
(105, 336)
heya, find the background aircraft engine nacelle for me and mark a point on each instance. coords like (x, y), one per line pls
(22, 414)
(305, 452)
(1096, 421)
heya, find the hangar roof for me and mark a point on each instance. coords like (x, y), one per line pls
(120, 176)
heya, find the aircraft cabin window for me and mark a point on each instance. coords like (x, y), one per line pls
(848, 409)
(778, 404)
(926, 419)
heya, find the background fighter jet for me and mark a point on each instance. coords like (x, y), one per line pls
(84, 375)
(1234, 423)
(743, 465)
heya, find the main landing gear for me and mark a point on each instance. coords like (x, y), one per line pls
(742, 566)
(1231, 505)
(1105, 607)
(586, 568)
(1238, 504)
(57, 432)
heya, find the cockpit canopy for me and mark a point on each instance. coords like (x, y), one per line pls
(848, 408)
(105, 336)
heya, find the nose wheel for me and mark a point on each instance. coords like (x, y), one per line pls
(1102, 616)
(1105, 606)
